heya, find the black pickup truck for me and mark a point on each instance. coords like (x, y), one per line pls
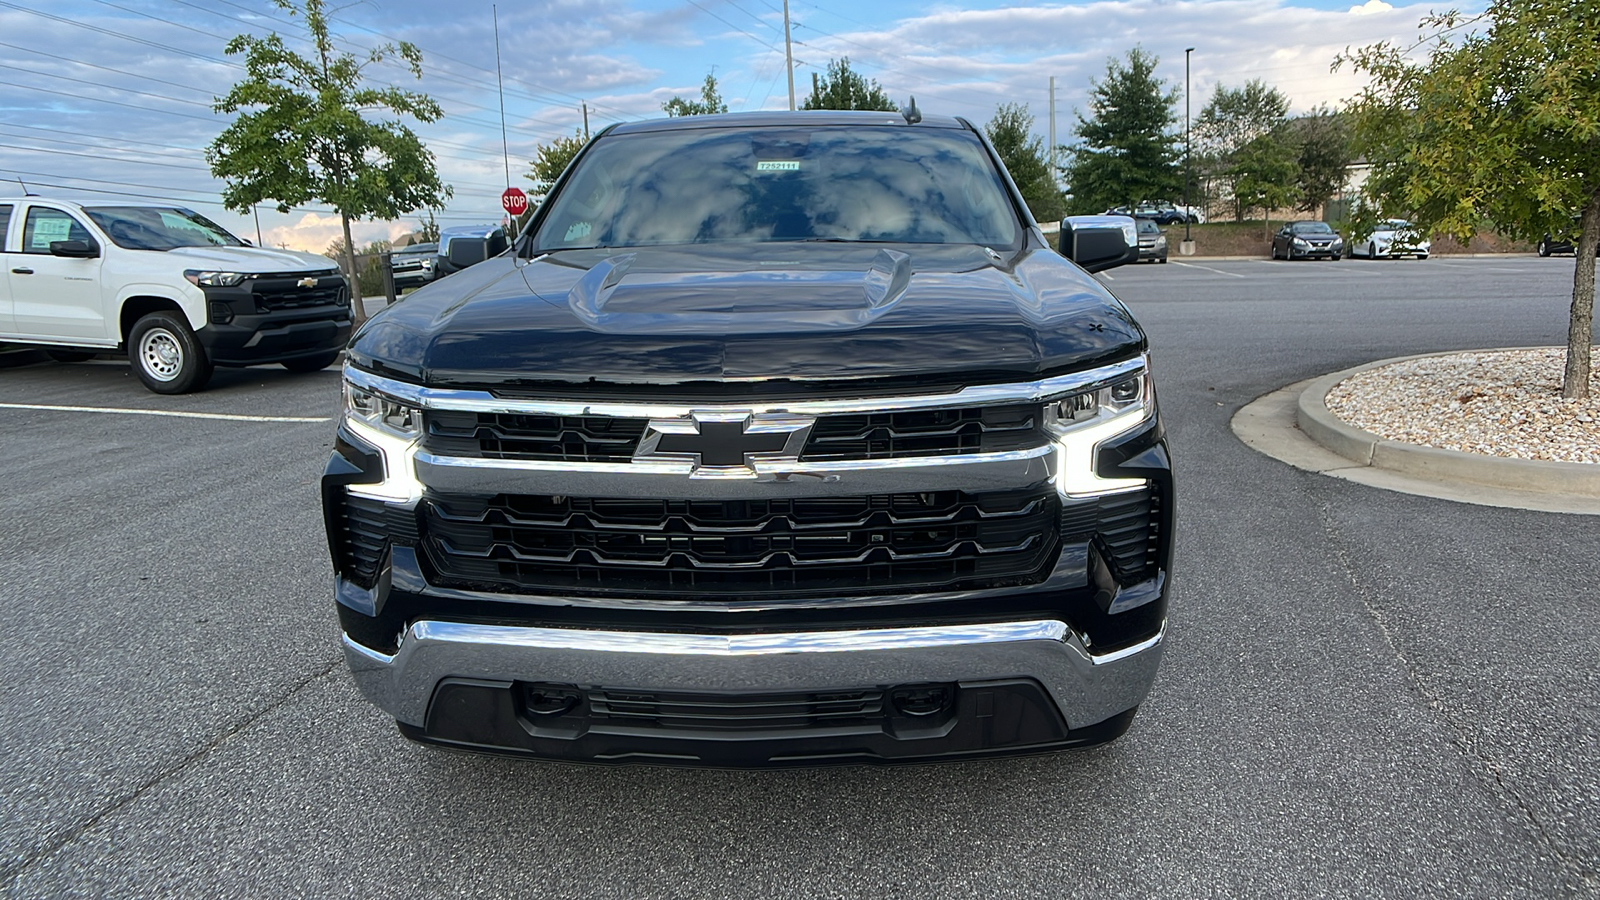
(776, 439)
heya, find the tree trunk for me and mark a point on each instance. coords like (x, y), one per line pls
(356, 307)
(1580, 331)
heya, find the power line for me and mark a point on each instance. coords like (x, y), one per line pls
(123, 72)
(97, 84)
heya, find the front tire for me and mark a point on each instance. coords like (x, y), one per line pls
(1544, 248)
(166, 356)
(311, 363)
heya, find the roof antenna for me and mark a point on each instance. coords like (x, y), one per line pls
(25, 191)
(911, 114)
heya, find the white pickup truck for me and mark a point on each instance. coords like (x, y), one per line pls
(172, 289)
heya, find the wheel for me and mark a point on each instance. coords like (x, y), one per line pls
(1334, 257)
(1372, 251)
(1422, 256)
(311, 363)
(1162, 259)
(166, 356)
(1544, 247)
(1274, 250)
(60, 355)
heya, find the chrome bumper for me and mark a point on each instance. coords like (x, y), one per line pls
(1087, 687)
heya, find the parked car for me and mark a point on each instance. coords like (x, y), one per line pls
(722, 466)
(1152, 243)
(1550, 246)
(171, 288)
(414, 265)
(1161, 213)
(1307, 240)
(1392, 238)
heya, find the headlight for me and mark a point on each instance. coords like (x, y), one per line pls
(213, 279)
(1301, 242)
(1161, 241)
(1080, 422)
(1337, 242)
(383, 413)
(392, 428)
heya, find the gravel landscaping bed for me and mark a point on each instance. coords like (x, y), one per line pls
(1498, 403)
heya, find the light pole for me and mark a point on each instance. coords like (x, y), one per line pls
(1188, 172)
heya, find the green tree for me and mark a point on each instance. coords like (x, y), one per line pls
(549, 161)
(1263, 174)
(1324, 162)
(1127, 151)
(1011, 132)
(844, 88)
(1236, 118)
(304, 134)
(710, 102)
(428, 231)
(1499, 125)
(368, 263)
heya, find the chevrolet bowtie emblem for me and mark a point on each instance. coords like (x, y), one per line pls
(725, 445)
(307, 282)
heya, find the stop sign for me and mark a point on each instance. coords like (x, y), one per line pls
(515, 201)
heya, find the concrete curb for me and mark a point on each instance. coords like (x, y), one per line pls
(1368, 449)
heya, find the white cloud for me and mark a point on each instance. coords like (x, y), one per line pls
(313, 232)
(1370, 7)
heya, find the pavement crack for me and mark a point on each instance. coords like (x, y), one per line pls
(1460, 737)
(13, 873)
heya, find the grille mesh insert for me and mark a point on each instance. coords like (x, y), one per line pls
(887, 542)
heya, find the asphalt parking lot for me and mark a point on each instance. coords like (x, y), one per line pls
(1364, 693)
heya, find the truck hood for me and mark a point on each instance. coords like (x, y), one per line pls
(250, 259)
(806, 312)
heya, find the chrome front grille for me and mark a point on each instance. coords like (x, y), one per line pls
(864, 544)
(514, 436)
(867, 436)
(924, 432)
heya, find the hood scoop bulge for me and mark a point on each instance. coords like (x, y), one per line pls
(611, 297)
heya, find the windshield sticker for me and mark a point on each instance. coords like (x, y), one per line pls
(578, 231)
(778, 165)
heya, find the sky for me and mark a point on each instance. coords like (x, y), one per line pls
(103, 99)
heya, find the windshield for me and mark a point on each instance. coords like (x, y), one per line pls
(1149, 226)
(417, 250)
(893, 184)
(159, 228)
(1312, 228)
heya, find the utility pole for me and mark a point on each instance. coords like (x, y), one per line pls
(788, 53)
(1187, 247)
(586, 120)
(1052, 129)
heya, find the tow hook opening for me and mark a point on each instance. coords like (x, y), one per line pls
(549, 699)
(923, 699)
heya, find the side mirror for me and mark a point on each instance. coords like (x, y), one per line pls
(74, 249)
(1098, 243)
(466, 252)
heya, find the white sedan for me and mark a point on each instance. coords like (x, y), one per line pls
(1392, 238)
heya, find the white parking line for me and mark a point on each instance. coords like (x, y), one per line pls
(175, 414)
(1207, 268)
(1478, 268)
